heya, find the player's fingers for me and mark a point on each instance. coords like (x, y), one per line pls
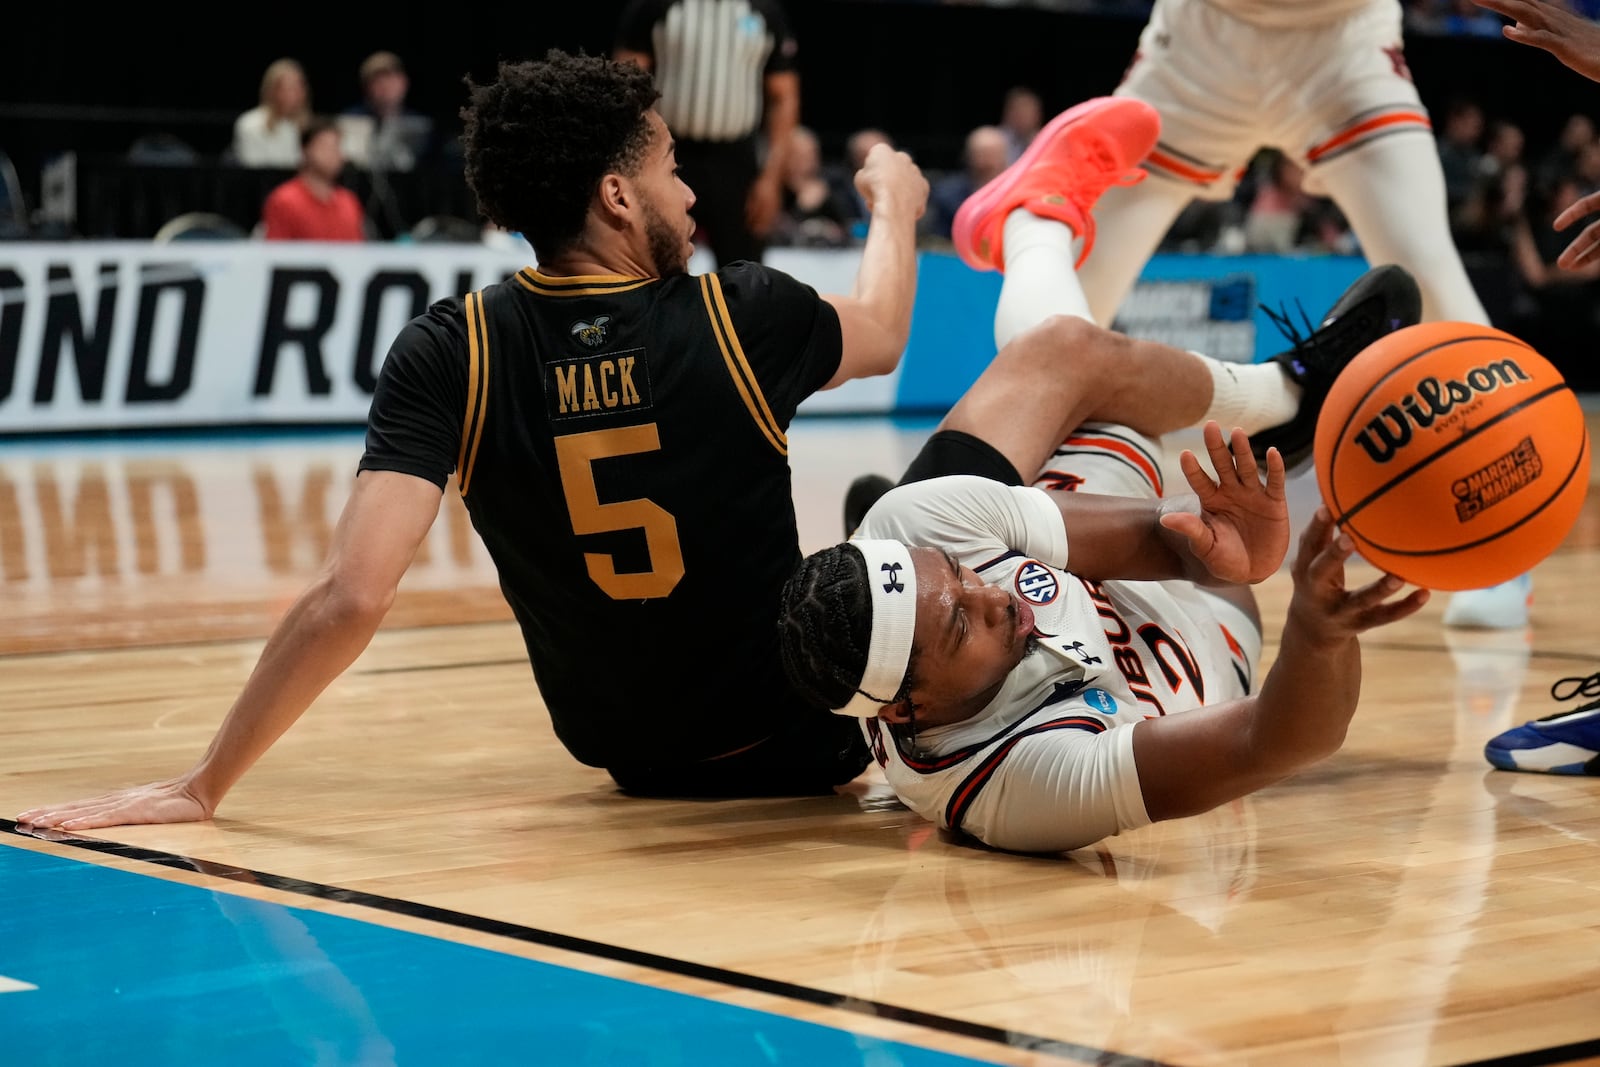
(1188, 525)
(1195, 474)
(1217, 449)
(1276, 474)
(1395, 610)
(1328, 564)
(1515, 9)
(1584, 205)
(1582, 249)
(1312, 539)
(1374, 592)
(1244, 460)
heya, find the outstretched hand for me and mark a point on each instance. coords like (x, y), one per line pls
(1241, 532)
(1323, 606)
(1565, 34)
(158, 802)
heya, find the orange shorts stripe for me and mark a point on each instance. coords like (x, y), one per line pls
(1181, 169)
(1361, 129)
(1123, 449)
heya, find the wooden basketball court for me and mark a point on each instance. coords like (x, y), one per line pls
(1400, 904)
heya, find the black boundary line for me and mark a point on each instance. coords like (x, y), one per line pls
(462, 665)
(214, 642)
(1012, 1039)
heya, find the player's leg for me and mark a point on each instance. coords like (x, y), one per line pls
(1132, 222)
(1368, 147)
(1391, 191)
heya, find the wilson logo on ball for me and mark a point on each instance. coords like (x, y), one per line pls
(1391, 429)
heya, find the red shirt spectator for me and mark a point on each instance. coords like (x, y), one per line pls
(313, 206)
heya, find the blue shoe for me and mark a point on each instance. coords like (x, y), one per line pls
(1567, 742)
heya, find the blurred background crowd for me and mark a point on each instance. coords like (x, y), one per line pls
(301, 134)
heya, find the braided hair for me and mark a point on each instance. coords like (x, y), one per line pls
(825, 627)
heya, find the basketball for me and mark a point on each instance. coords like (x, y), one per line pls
(1454, 455)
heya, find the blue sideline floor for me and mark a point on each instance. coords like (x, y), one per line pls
(103, 966)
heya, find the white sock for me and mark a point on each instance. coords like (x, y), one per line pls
(1041, 278)
(1251, 396)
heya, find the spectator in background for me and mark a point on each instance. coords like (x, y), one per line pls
(722, 67)
(1459, 151)
(1577, 133)
(1272, 222)
(381, 132)
(813, 216)
(1559, 317)
(856, 147)
(268, 135)
(313, 206)
(985, 155)
(1503, 148)
(1021, 115)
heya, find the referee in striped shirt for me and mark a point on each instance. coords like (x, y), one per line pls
(726, 71)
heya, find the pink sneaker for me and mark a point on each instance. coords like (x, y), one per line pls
(1078, 155)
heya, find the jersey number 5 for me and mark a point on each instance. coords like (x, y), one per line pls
(576, 454)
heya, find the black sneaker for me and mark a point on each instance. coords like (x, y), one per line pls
(1381, 301)
(862, 494)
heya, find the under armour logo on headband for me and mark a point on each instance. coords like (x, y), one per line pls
(894, 584)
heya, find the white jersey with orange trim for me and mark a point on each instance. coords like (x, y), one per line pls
(1048, 765)
(1232, 76)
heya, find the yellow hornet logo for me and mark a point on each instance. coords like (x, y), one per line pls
(593, 333)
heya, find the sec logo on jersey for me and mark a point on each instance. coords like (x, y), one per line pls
(1036, 583)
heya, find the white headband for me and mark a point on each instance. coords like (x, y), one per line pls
(893, 582)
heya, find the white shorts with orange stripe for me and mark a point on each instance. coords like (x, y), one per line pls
(1099, 457)
(1226, 88)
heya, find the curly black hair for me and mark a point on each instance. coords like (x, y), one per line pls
(825, 627)
(539, 138)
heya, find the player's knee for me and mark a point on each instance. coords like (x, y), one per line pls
(1064, 341)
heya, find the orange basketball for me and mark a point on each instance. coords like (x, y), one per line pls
(1454, 455)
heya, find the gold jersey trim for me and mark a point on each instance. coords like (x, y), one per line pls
(738, 367)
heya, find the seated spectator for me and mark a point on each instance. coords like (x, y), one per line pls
(268, 135)
(1459, 153)
(1503, 149)
(313, 206)
(984, 157)
(1558, 311)
(843, 178)
(381, 132)
(1021, 116)
(812, 216)
(1577, 133)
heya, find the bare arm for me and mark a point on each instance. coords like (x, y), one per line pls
(1192, 762)
(1234, 529)
(876, 318)
(1565, 34)
(330, 624)
(782, 91)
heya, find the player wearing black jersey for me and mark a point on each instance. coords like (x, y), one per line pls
(617, 431)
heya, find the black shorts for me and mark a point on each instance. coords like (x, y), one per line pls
(816, 751)
(955, 452)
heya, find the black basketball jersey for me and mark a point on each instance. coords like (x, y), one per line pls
(620, 444)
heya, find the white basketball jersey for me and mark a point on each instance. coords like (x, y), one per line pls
(1048, 764)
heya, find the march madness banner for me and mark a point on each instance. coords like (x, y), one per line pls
(113, 335)
(126, 334)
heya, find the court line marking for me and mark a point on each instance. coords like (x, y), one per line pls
(12, 985)
(1010, 1039)
(219, 642)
